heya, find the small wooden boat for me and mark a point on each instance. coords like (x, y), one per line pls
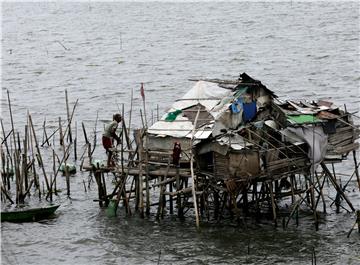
(32, 214)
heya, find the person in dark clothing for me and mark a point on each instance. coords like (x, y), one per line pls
(176, 154)
(109, 135)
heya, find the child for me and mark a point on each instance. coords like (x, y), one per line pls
(109, 135)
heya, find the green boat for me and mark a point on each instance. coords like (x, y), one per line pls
(24, 215)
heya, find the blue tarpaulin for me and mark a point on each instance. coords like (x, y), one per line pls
(249, 111)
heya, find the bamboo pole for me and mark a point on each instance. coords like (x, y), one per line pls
(131, 107)
(45, 137)
(11, 118)
(120, 193)
(356, 169)
(24, 169)
(95, 131)
(39, 153)
(193, 177)
(171, 198)
(17, 178)
(142, 119)
(161, 203)
(178, 197)
(71, 117)
(18, 142)
(3, 164)
(127, 138)
(295, 207)
(49, 137)
(67, 175)
(16, 155)
(60, 132)
(122, 189)
(75, 142)
(273, 202)
(357, 221)
(58, 169)
(104, 189)
(54, 171)
(141, 185)
(5, 168)
(36, 180)
(122, 140)
(313, 204)
(68, 115)
(100, 187)
(321, 194)
(143, 100)
(349, 180)
(5, 138)
(31, 148)
(157, 112)
(6, 194)
(147, 176)
(85, 134)
(339, 190)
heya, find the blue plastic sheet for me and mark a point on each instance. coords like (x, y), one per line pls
(249, 111)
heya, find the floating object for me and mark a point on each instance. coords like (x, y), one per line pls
(111, 209)
(98, 163)
(71, 168)
(32, 214)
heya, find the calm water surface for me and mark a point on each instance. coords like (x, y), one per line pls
(99, 52)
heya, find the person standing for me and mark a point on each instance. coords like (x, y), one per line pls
(109, 135)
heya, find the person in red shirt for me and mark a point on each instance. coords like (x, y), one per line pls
(109, 135)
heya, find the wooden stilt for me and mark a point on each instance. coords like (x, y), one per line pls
(178, 197)
(193, 176)
(292, 177)
(160, 210)
(356, 169)
(338, 189)
(100, 187)
(147, 176)
(171, 198)
(273, 203)
(313, 204)
(104, 192)
(140, 177)
(321, 194)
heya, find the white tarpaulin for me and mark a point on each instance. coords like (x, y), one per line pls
(207, 94)
(315, 138)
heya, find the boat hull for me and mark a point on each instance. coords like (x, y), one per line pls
(28, 214)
